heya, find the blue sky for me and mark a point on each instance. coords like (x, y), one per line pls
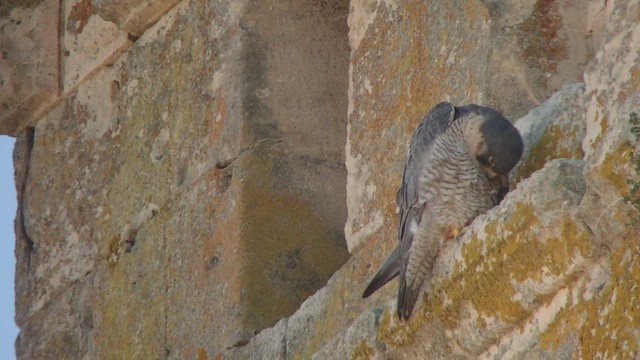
(8, 329)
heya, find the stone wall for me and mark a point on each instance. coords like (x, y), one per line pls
(189, 173)
(180, 167)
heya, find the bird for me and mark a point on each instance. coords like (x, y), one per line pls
(456, 169)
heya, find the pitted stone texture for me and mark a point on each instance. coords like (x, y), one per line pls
(271, 344)
(71, 315)
(132, 16)
(28, 62)
(63, 225)
(296, 76)
(88, 42)
(612, 97)
(161, 177)
(360, 341)
(554, 129)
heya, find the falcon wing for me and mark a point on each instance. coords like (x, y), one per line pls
(410, 203)
(407, 197)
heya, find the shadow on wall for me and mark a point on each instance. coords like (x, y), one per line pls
(294, 179)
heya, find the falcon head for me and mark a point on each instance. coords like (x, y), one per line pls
(492, 139)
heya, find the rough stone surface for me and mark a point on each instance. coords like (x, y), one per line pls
(132, 16)
(63, 226)
(70, 314)
(192, 186)
(28, 60)
(190, 189)
(553, 130)
(537, 277)
(271, 344)
(87, 42)
(360, 338)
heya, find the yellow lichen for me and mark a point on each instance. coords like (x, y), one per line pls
(113, 251)
(201, 354)
(395, 332)
(606, 324)
(362, 352)
(613, 166)
(550, 146)
(492, 264)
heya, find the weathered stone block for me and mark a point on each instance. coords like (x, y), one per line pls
(68, 173)
(190, 177)
(292, 245)
(358, 341)
(88, 42)
(28, 61)
(132, 16)
(296, 76)
(71, 315)
(326, 314)
(612, 89)
(269, 345)
(553, 130)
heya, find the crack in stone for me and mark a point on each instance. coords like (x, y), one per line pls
(222, 164)
(29, 138)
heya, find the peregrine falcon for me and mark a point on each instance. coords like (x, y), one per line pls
(457, 168)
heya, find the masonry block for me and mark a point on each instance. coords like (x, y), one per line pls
(28, 61)
(132, 16)
(88, 42)
(217, 192)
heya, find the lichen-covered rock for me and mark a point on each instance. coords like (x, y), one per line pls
(502, 268)
(64, 225)
(408, 57)
(612, 101)
(189, 191)
(553, 130)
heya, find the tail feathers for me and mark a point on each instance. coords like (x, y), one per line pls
(407, 297)
(389, 270)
